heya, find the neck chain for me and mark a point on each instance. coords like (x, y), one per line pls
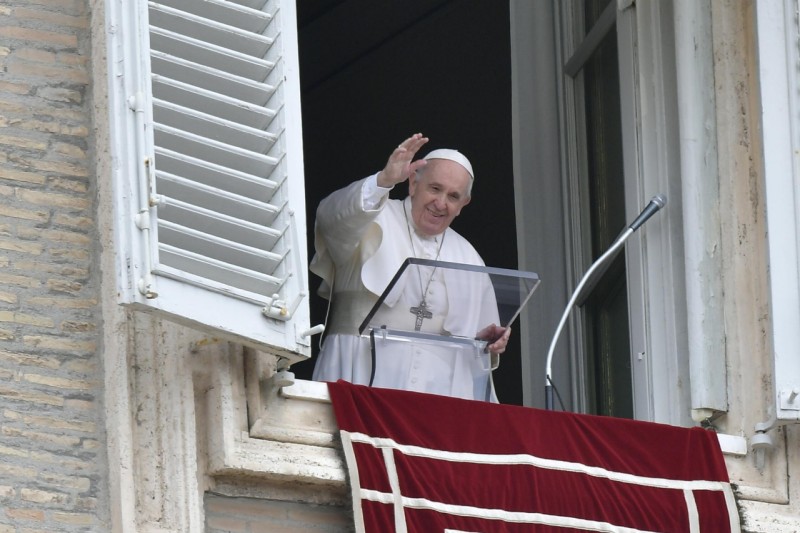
(421, 311)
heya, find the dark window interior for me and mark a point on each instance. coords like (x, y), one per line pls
(374, 72)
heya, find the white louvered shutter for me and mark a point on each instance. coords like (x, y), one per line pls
(778, 42)
(206, 130)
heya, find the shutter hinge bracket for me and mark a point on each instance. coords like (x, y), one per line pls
(134, 102)
(281, 310)
(142, 220)
(146, 284)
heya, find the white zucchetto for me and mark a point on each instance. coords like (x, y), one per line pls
(452, 155)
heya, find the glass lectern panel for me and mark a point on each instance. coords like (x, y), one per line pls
(430, 329)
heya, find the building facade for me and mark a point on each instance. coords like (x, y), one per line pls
(146, 364)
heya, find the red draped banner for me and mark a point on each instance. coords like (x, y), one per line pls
(431, 464)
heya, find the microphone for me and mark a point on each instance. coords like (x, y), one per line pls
(657, 202)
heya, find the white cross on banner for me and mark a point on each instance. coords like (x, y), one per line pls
(421, 463)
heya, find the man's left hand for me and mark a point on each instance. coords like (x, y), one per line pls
(497, 336)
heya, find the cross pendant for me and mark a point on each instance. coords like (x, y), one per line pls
(421, 311)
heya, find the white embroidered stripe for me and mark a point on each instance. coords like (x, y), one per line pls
(355, 482)
(549, 464)
(733, 510)
(499, 514)
(397, 495)
(357, 493)
(691, 510)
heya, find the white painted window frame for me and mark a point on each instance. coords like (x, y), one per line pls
(654, 254)
(778, 39)
(660, 245)
(575, 190)
(577, 206)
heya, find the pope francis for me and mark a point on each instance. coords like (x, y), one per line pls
(361, 239)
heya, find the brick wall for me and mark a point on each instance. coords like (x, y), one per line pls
(54, 469)
(250, 515)
(52, 448)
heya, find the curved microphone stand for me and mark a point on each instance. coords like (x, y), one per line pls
(655, 204)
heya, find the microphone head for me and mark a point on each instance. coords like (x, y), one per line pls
(650, 209)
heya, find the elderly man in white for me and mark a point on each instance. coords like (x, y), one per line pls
(362, 238)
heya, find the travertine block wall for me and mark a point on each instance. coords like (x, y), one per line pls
(52, 445)
(250, 515)
(57, 469)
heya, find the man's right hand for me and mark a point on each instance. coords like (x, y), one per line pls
(399, 166)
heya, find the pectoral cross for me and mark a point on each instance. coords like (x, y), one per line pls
(421, 311)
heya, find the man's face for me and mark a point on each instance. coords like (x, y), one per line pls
(438, 196)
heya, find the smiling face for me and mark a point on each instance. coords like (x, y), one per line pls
(438, 194)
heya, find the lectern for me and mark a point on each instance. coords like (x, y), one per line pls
(427, 330)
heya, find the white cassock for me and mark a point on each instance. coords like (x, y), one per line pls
(361, 239)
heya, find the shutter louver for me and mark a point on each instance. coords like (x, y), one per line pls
(199, 66)
(223, 170)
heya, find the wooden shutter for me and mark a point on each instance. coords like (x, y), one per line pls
(779, 75)
(210, 194)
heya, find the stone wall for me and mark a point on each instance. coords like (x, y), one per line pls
(59, 469)
(52, 445)
(249, 515)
